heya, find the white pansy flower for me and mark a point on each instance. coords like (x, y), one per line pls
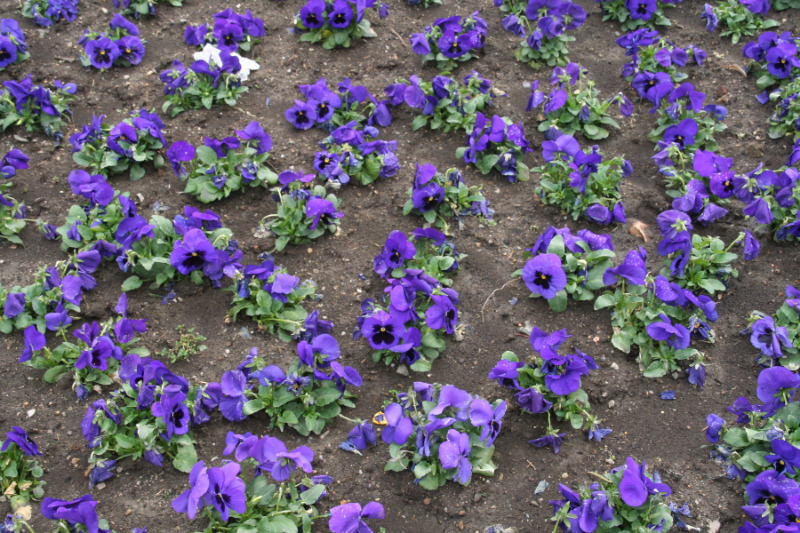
(211, 54)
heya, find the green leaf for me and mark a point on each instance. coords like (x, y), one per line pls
(325, 396)
(206, 155)
(280, 524)
(186, 458)
(558, 303)
(604, 300)
(137, 172)
(55, 373)
(419, 121)
(310, 496)
(253, 406)
(131, 284)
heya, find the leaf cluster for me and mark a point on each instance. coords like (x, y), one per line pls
(282, 318)
(459, 200)
(96, 155)
(32, 115)
(306, 409)
(584, 269)
(709, 267)
(617, 10)
(331, 37)
(428, 470)
(20, 477)
(291, 224)
(238, 168)
(601, 186)
(634, 307)
(739, 21)
(140, 430)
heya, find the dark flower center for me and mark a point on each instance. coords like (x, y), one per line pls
(454, 47)
(385, 335)
(311, 18)
(4, 54)
(450, 315)
(395, 257)
(339, 18)
(430, 202)
(194, 261)
(228, 39)
(127, 50)
(642, 9)
(542, 280)
(679, 138)
(102, 52)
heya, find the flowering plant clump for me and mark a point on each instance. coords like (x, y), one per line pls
(216, 76)
(430, 251)
(283, 502)
(785, 121)
(682, 120)
(141, 7)
(13, 48)
(637, 13)
(120, 45)
(625, 499)
(761, 450)
(651, 52)
(443, 103)
(335, 23)
(772, 199)
(329, 110)
(417, 312)
(580, 182)
(219, 167)
(440, 197)
(551, 384)
(659, 317)
(193, 245)
(451, 40)
(305, 397)
(45, 12)
(562, 264)
(46, 303)
(231, 31)
(441, 433)
(349, 152)
(543, 26)
(776, 58)
(125, 147)
(22, 103)
(777, 336)
(409, 327)
(151, 415)
(21, 480)
(739, 18)
(497, 145)
(703, 263)
(574, 104)
(273, 298)
(12, 212)
(304, 213)
(700, 183)
(93, 357)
